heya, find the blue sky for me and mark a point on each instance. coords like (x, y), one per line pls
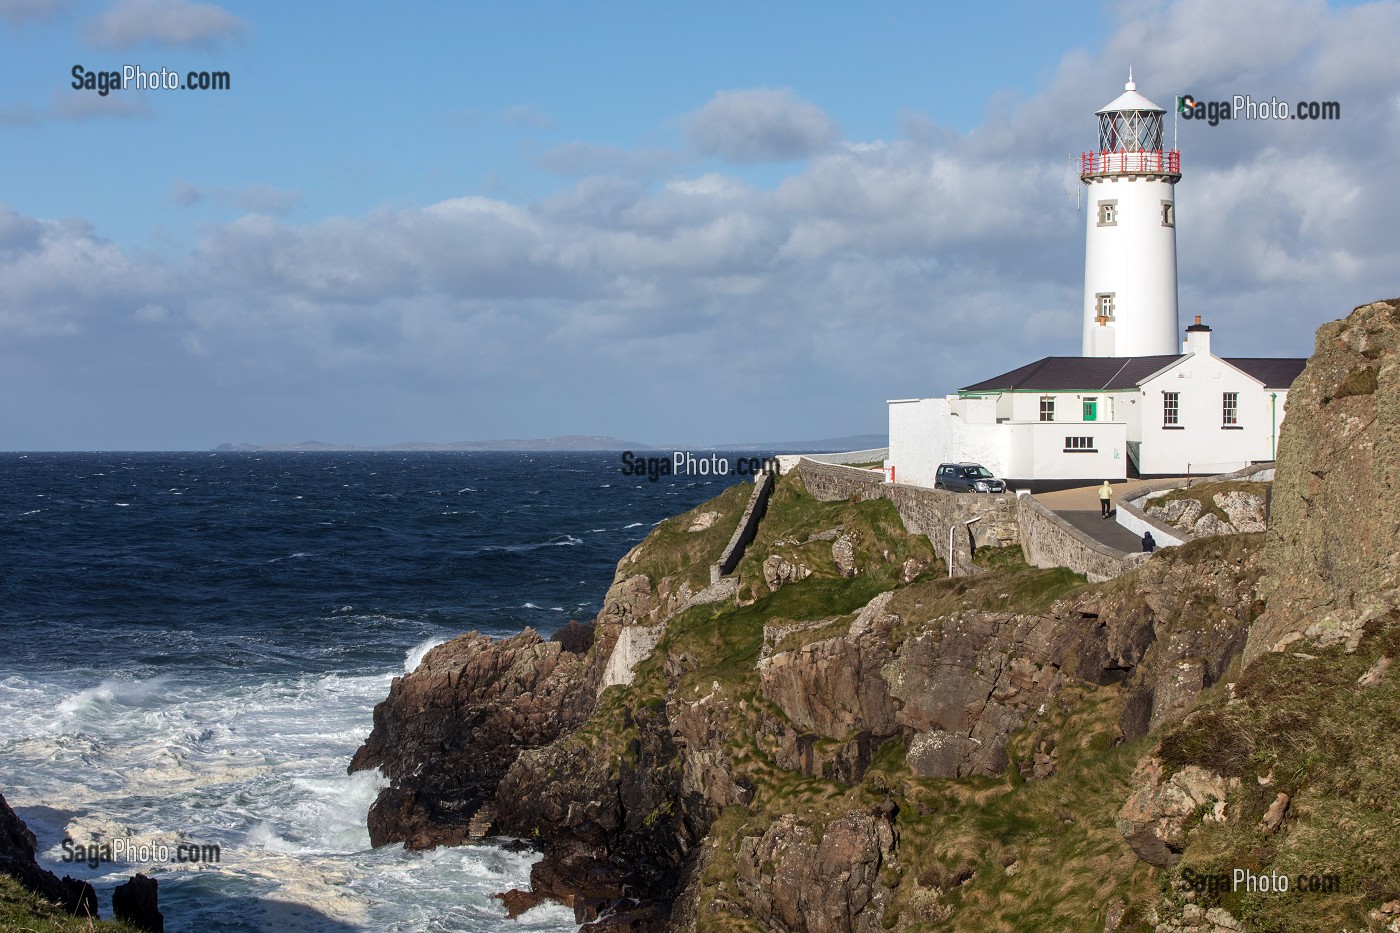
(692, 224)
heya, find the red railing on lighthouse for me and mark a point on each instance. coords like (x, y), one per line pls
(1141, 162)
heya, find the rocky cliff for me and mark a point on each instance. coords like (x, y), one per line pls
(17, 848)
(847, 741)
(1336, 516)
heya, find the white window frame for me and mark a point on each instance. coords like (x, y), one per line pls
(1171, 408)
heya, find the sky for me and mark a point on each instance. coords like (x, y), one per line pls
(670, 223)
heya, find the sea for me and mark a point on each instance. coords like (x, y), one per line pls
(192, 645)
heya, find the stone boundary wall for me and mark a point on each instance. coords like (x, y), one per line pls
(1049, 541)
(1132, 516)
(748, 526)
(924, 511)
(873, 455)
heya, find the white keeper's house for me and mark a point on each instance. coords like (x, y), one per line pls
(1137, 401)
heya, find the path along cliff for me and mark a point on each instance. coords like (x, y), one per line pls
(852, 742)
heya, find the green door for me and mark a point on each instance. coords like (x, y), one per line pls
(1091, 409)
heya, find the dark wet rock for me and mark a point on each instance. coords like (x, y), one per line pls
(136, 903)
(450, 729)
(17, 849)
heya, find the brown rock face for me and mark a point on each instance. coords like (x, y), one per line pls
(450, 729)
(1332, 547)
(616, 831)
(957, 687)
(797, 884)
(1156, 818)
(17, 846)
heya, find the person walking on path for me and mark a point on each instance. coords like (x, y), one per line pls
(1149, 543)
(1105, 498)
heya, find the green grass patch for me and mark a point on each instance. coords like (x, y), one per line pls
(22, 911)
(672, 550)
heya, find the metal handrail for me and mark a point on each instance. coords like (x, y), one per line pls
(1124, 162)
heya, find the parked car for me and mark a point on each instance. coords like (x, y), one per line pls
(966, 477)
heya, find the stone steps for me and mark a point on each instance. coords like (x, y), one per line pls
(482, 822)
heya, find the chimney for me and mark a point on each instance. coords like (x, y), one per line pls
(1197, 338)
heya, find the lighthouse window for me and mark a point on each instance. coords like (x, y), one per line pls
(1103, 306)
(1168, 214)
(1080, 445)
(1108, 213)
(1047, 408)
(1230, 413)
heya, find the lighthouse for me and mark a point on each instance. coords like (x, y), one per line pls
(1130, 243)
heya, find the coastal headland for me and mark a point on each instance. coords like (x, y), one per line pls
(852, 741)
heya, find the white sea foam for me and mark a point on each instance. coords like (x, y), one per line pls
(633, 525)
(415, 655)
(258, 768)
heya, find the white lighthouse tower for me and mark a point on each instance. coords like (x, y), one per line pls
(1130, 246)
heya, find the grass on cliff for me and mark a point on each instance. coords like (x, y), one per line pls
(979, 854)
(22, 911)
(673, 550)
(1300, 720)
(791, 528)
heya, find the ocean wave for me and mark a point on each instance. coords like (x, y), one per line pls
(113, 692)
(414, 656)
(565, 540)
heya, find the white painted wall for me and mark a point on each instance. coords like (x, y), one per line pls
(929, 431)
(1136, 260)
(1202, 444)
(1038, 451)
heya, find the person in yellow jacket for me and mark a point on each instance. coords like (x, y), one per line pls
(1105, 498)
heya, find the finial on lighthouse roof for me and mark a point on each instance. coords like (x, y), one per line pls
(1130, 86)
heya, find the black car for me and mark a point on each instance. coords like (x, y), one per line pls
(966, 477)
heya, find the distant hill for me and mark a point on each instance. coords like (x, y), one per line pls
(579, 442)
(827, 445)
(575, 442)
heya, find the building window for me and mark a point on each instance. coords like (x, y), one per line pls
(1080, 445)
(1230, 409)
(1171, 407)
(1091, 408)
(1168, 214)
(1047, 408)
(1108, 213)
(1103, 307)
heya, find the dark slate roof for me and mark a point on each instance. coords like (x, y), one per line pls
(1076, 373)
(1274, 373)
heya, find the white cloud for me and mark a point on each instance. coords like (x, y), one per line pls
(760, 125)
(163, 22)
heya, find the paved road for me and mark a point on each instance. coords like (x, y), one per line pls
(1080, 507)
(1104, 530)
